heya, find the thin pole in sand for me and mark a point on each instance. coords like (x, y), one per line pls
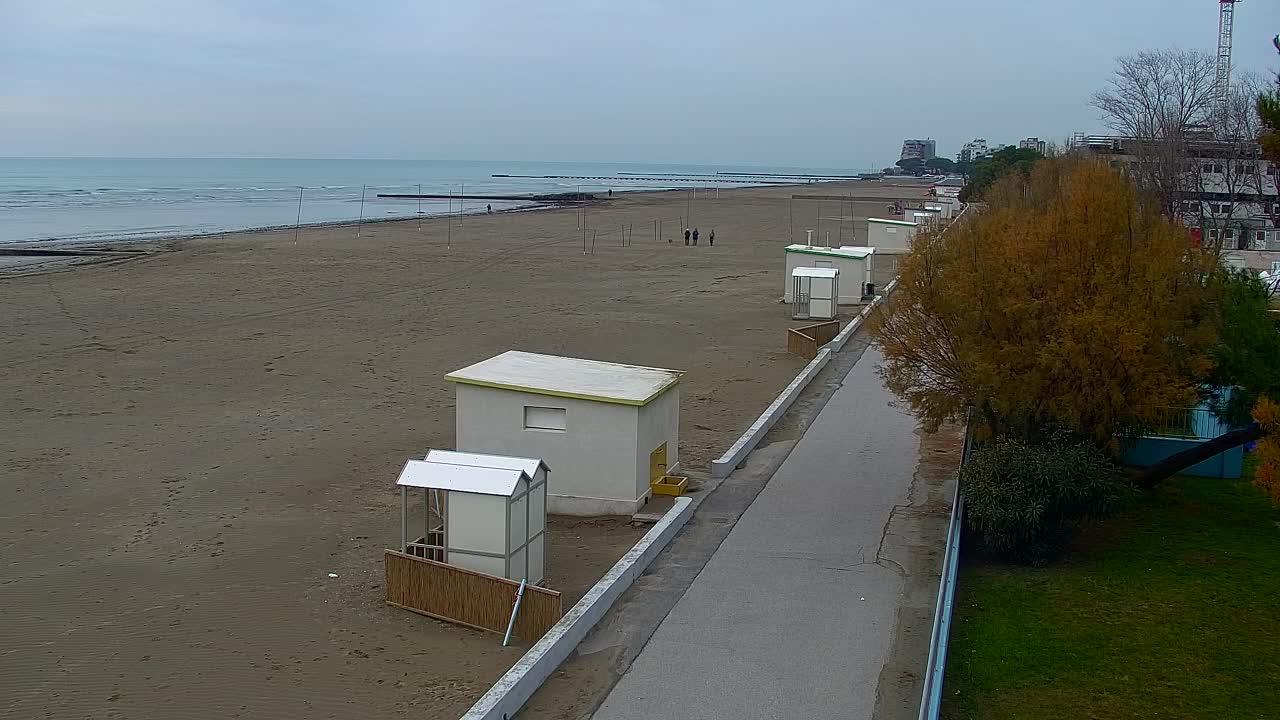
(449, 221)
(461, 194)
(360, 222)
(419, 207)
(688, 207)
(593, 241)
(622, 235)
(297, 224)
(791, 221)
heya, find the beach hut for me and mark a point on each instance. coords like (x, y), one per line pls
(815, 292)
(924, 217)
(609, 430)
(945, 209)
(854, 263)
(483, 512)
(890, 236)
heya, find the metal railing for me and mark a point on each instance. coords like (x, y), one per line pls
(1195, 423)
(936, 667)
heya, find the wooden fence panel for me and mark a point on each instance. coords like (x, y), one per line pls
(455, 594)
(807, 340)
(800, 344)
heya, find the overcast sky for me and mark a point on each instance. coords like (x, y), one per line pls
(836, 83)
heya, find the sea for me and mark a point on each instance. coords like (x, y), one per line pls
(92, 200)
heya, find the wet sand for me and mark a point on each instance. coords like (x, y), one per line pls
(195, 439)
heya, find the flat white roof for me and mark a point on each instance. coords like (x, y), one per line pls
(529, 466)
(849, 251)
(815, 272)
(460, 478)
(891, 222)
(569, 377)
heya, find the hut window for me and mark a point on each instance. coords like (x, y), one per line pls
(544, 418)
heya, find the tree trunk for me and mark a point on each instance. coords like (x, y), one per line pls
(1176, 463)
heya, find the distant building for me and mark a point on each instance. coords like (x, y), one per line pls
(1228, 193)
(1033, 143)
(973, 150)
(919, 149)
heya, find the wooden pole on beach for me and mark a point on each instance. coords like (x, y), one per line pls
(419, 207)
(297, 224)
(791, 221)
(360, 222)
(593, 241)
(449, 221)
(461, 199)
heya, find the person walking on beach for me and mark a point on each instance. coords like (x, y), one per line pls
(695, 236)
(686, 236)
(489, 208)
(711, 237)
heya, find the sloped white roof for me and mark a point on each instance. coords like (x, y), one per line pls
(815, 272)
(569, 377)
(503, 462)
(460, 478)
(856, 252)
(892, 222)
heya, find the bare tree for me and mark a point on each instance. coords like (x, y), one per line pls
(1159, 100)
(1200, 165)
(1226, 175)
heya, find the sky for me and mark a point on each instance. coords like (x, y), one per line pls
(836, 83)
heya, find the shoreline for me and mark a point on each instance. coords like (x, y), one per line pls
(57, 261)
(534, 205)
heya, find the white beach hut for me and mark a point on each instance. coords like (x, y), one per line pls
(944, 208)
(609, 430)
(854, 263)
(484, 512)
(924, 217)
(890, 236)
(814, 292)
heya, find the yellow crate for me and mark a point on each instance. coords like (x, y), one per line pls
(669, 485)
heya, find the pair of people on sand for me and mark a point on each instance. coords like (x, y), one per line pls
(710, 238)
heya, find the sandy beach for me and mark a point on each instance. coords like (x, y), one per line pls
(193, 440)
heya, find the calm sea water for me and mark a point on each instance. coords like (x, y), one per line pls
(93, 199)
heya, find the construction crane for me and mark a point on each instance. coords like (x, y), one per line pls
(1222, 80)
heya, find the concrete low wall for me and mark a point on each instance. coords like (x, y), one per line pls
(723, 465)
(837, 343)
(524, 678)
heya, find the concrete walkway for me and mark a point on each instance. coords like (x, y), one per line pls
(794, 615)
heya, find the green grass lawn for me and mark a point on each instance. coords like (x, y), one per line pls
(1170, 610)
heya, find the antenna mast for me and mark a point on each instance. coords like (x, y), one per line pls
(1222, 80)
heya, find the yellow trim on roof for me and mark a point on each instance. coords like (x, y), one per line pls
(565, 394)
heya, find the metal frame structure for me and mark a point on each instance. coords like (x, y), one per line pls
(1222, 80)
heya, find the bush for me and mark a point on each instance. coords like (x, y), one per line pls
(1024, 501)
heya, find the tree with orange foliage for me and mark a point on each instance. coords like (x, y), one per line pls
(1070, 304)
(1267, 415)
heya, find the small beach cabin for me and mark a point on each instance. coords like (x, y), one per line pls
(854, 264)
(814, 293)
(608, 429)
(484, 513)
(891, 236)
(924, 217)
